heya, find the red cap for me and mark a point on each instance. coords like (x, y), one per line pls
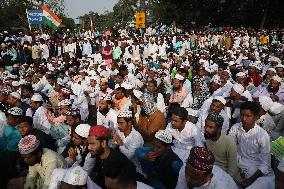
(99, 131)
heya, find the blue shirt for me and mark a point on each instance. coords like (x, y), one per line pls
(10, 139)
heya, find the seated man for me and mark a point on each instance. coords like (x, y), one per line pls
(215, 105)
(185, 134)
(222, 146)
(160, 163)
(41, 162)
(26, 128)
(106, 116)
(120, 174)
(76, 152)
(126, 137)
(199, 172)
(73, 178)
(120, 100)
(253, 146)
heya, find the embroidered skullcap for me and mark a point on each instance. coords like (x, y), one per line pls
(83, 130)
(241, 74)
(65, 91)
(72, 112)
(125, 114)
(238, 88)
(179, 77)
(75, 176)
(137, 94)
(265, 102)
(100, 132)
(6, 91)
(216, 118)
(37, 98)
(15, 111)
(277, 78)
(164, 136)
(16, 95)
(28, 144)
(65, 102)
(221, 99)
(107, 97)
(201, 159)
(216, 79)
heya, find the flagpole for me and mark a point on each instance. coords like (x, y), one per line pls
(30, 27)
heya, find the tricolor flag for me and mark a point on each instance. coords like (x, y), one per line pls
(50, 18)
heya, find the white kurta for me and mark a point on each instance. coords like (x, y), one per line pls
(40, 120)
(189, 137)
(254, 153)
(110, 120)
(220, 180)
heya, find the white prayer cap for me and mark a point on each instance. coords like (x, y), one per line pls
(280, 66)
(83, 130)
(65, 102)
(15, 111)
(37, 98)
(271, 69)
(231, 63)
(253, 65)
(137, 94)
(16, 95)
(276, 108)
(245, 58)
(125, 114)
(277, 78)
(216, 79)
(127, 86)
(241, 74)
(179, 77)
(164, 136)
(221, 99)
(238, 88)
(15, 84)
(274, 59)
(96, 78)
(265, 102)
(106, 97)
(76, 176)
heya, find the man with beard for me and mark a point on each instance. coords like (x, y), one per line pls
(222, 146)
(274, 90)
(106, 116)
(179, 91)
(41, 162)
(98, 139)
(199, 172)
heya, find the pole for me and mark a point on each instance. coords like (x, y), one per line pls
(30, 27)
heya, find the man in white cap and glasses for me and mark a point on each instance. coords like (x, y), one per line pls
(76, 152)
(41, 162)
(159, 162)
(39, 117)
(126, 137)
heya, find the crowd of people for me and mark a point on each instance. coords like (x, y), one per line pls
(125, 110)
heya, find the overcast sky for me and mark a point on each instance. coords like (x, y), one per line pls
(75, 8)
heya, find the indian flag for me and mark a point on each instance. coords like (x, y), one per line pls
(50, 18)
